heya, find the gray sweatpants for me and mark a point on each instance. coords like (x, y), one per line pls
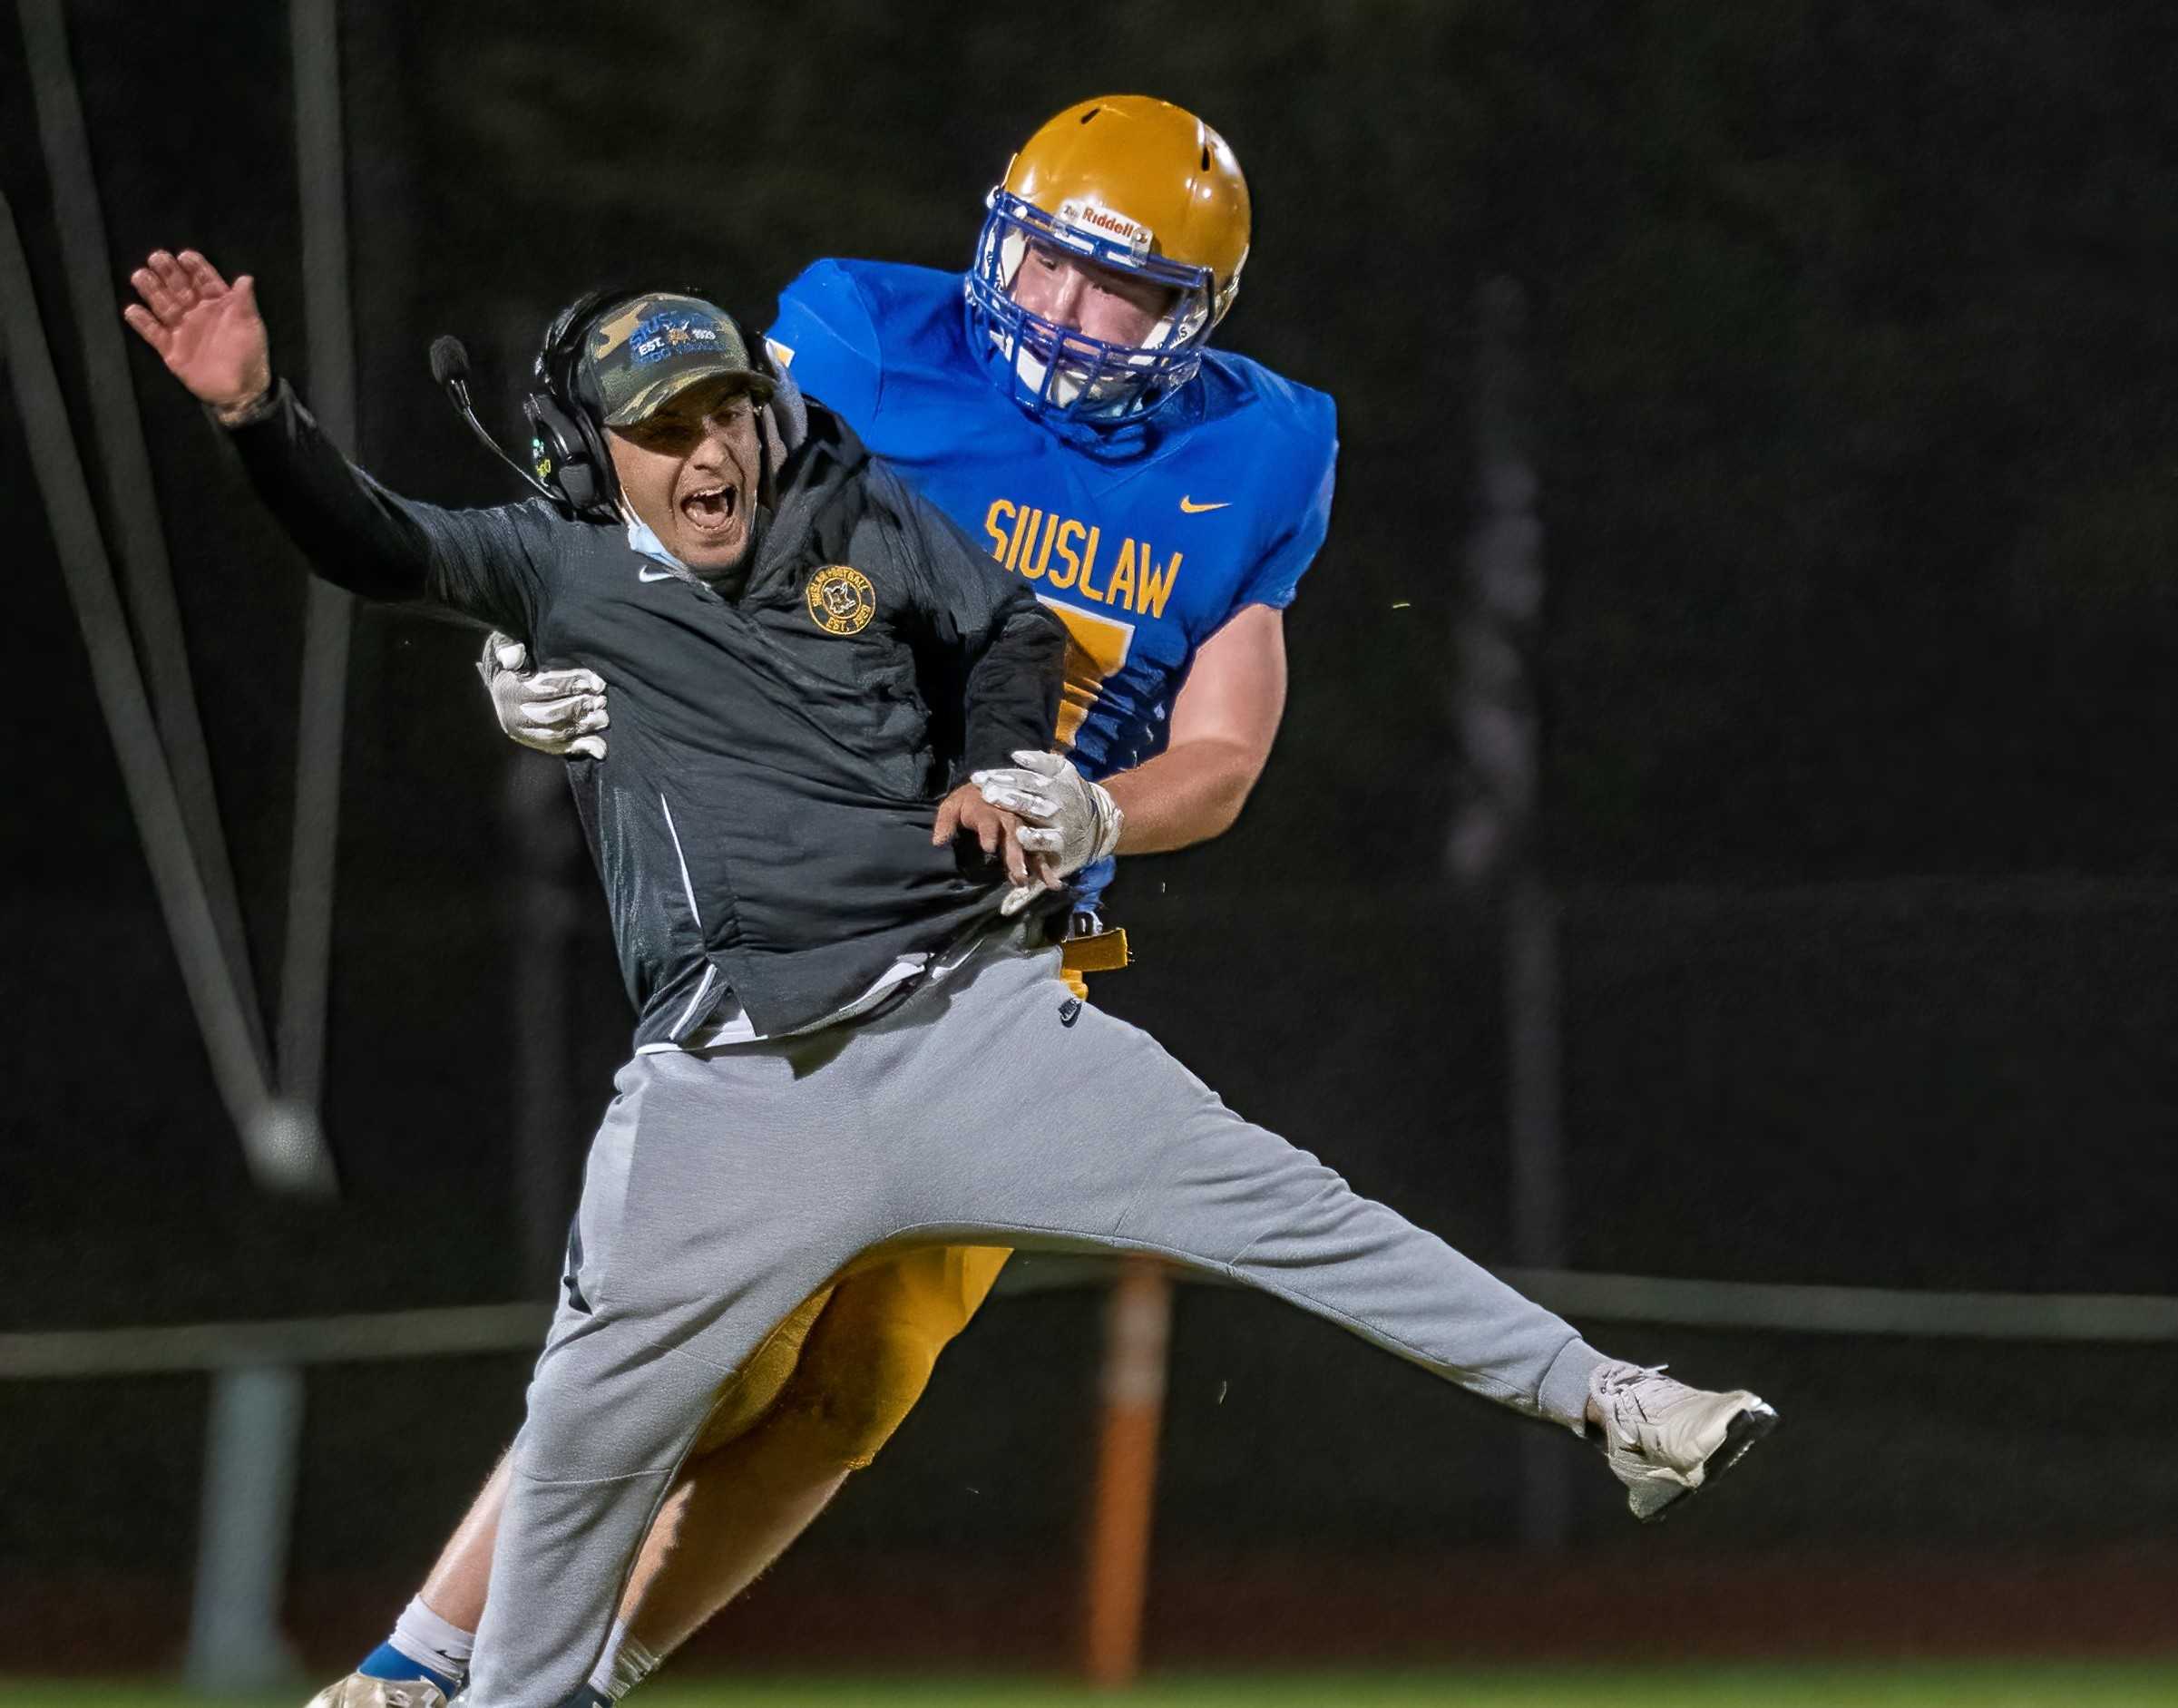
(987, 1108)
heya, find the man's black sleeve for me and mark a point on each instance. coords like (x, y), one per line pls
(483, 563)
(1008, 647)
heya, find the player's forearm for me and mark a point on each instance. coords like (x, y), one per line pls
(1188, 793)
(346, 525)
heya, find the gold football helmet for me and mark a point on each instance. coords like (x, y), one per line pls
(1131, 183)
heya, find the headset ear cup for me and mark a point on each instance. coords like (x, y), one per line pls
(580, 485)
(589, 484)
(573, 471)
(600, 482)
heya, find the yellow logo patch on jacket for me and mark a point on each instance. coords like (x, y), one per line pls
(841, 599)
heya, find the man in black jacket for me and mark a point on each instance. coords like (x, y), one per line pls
(842, 1054)
(788, 619)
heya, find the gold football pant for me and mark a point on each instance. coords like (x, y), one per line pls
(847, 1366)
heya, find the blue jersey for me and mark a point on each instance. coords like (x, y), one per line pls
(1218, 502)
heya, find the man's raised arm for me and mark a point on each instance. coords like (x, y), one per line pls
(355, 533)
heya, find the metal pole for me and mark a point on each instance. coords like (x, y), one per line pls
(1138, 1329)
(140, 542)
(1493, 843)
(255, 1438)
(305, 972)
(235, 1645)
(280, 1157)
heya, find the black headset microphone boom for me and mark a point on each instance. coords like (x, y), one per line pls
(450, 368)
(571, 466)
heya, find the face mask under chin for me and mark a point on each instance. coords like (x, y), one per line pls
(1094, 391)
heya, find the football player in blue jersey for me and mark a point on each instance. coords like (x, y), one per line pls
(1060, 401)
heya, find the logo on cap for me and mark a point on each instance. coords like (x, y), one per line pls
(670, 332)
(841, 599)
(643, 355)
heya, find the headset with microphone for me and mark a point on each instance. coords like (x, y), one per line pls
(567, 440)
(450, 368)
(570, 464)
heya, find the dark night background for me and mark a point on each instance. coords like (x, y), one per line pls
(1852, 353)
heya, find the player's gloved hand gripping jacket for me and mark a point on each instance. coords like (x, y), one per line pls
(1077, 820)
(1070, 821)
(763, 828)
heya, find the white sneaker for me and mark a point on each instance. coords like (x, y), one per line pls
(355, 1690)
(1664, 1439)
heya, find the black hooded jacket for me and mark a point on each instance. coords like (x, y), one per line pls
(761, 819)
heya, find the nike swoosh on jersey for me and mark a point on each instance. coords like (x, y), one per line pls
(656, 575)
(1194, 508)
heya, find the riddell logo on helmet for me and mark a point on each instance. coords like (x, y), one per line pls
(1095, 217)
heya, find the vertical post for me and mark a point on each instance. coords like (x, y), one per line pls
(305, 972)
(235, 1645)
(256, 1430)
(1493, 847)
(1138, 1329)
(138, 541)
(237, 1069)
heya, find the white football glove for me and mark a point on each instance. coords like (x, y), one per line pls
(557, 712)
(1068, 821)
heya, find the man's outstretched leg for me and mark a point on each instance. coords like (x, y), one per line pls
(1025, 1117)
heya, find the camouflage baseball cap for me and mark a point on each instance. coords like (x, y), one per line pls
(650, 350)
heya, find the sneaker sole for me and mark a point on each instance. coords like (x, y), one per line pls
(1742, 1432)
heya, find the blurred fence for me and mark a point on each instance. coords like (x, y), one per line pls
(1261, 1466)
(461, 1329)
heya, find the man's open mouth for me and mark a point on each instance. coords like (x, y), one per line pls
(709, 509)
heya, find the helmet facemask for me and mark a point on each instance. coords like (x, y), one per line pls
(1062, 374)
